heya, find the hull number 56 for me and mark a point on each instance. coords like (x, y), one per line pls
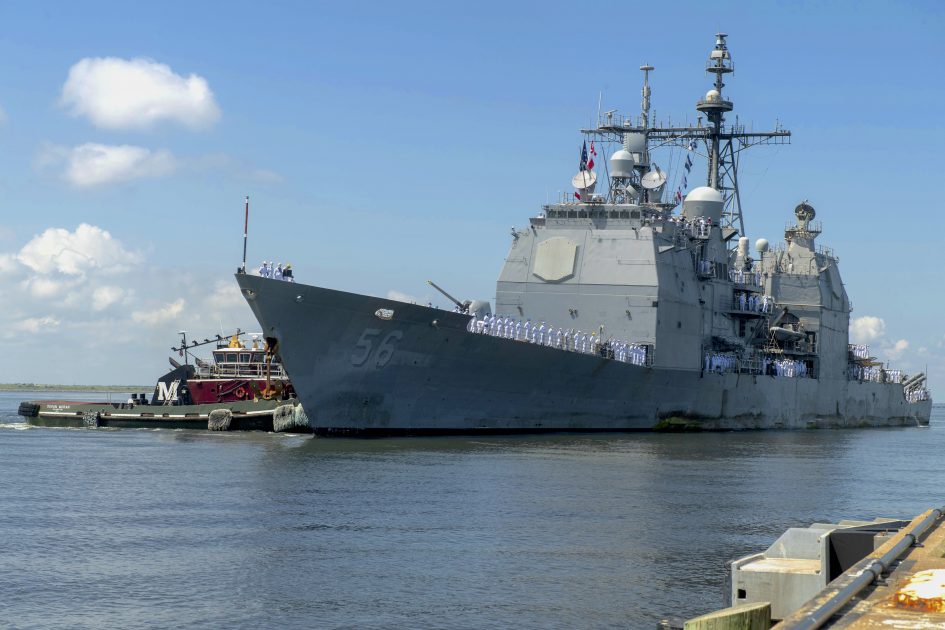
(364, 349)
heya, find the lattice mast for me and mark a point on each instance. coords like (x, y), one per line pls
(724, 143)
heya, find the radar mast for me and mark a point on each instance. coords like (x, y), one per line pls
(723, 142)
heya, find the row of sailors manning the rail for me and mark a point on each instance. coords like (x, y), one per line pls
(874, 373)
(277, 272)
(859, 351)
(698, 227)
(877, 374)
(720, 362)
(738, 276)
(745, 301)
(546, 335)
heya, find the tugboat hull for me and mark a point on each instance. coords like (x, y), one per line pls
(245, 415)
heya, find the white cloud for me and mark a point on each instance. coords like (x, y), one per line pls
(42, 287)
(37, 324)
(867, 329)
(92, 164)
(226, 296)
(75, 253)
(895, 350)
(402, 297)
(7, 263)
(137, 93)
(105, 296)
(265, 176)
(162, 315)
(872, 330)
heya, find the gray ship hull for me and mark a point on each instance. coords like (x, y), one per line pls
(422, 372)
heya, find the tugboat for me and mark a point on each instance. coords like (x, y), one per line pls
(243, 387)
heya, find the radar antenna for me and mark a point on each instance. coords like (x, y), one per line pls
(723, 142)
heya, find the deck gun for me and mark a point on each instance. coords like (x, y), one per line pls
(463, 306)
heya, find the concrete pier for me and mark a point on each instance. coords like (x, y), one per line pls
(903, 585)
(899, 584)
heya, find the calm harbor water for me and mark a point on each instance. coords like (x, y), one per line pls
(159, 528)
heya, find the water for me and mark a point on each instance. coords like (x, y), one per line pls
(160, 528)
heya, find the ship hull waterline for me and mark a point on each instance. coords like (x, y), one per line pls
(421, 372)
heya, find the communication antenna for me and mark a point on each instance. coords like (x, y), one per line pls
(183, 345)
(245, 234)
(652, 180)
(645, 104)
(584, 182)
(723, 142)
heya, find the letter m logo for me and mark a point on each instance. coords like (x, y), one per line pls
(168, 391)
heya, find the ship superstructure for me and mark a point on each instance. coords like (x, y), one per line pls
(613, 311)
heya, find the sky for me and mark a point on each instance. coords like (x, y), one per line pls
(384, 144)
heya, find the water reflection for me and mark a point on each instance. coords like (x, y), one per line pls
(249, 529)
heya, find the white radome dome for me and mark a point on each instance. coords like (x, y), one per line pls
(761, 245)
(703, 202)
(704, 193)
(622, 163)
(713, 95)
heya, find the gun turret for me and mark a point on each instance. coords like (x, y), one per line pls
(463, 306)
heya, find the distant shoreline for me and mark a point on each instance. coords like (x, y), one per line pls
(17, 387)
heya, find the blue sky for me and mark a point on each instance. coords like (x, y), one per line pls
(383, 144)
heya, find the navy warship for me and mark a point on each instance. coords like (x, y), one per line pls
(622, 308)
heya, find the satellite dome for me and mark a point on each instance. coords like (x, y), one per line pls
(622, 163)
(703, 202)
(761, 245)
(704, 193)
(713, 96)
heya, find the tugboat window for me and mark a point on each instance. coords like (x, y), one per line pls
(244, 358)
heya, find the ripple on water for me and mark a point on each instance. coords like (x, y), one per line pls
(144, 528)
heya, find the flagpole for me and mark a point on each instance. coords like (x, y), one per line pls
(245, 232)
